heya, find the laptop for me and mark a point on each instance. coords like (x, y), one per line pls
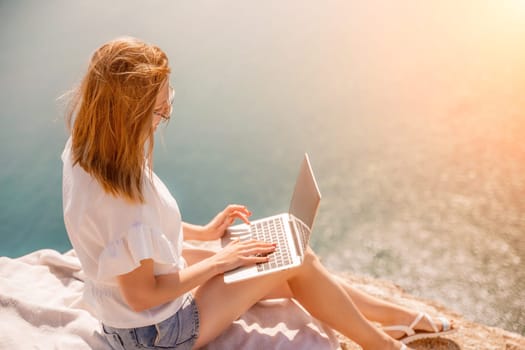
(291, 231)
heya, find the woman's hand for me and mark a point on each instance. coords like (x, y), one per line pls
(241, 253)
(217, 226)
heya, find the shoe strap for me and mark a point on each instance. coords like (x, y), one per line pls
(405, 329)
(445, 322)
(410, 330)
(430, 321)
(417, 319)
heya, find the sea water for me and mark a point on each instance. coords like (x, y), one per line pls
(412, 115)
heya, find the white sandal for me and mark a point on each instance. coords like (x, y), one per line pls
(411, 334)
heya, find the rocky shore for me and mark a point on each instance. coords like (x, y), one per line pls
(469, 336)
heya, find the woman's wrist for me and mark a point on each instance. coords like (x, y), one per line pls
(205, 233)
(216, 266)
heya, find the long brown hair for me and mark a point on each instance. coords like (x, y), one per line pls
(110, 115)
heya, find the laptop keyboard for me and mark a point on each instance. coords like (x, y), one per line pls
(272, 231)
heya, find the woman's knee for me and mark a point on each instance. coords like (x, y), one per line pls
(310, 261)
(310, 257)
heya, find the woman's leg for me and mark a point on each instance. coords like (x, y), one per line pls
(374, 309)
(384, 312)
(220, 304)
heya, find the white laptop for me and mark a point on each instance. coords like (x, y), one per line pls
(291, 231)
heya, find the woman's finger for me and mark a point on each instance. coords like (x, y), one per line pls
(254, 259)
(255, 243)
(257, 250)
(252, 247)
(232, 208)
(233, 212)
(240, 215)
(236, 207)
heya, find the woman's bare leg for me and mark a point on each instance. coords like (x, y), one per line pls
(384, 312)
(373, 308)
(220, 304)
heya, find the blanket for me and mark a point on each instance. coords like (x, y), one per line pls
(41, 307)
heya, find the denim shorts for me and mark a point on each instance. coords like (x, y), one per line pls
(178, 332)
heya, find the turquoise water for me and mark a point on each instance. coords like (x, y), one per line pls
(413, 117)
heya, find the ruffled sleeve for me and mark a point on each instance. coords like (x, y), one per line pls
(141, 242)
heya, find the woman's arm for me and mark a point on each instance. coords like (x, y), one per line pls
(194, 232)
(142, 290)
(217, 226)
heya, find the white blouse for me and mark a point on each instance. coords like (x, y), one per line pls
(111, 236)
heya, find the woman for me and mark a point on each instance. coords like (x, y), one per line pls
(127, 231)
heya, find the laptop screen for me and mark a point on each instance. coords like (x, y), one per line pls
(306, 196)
